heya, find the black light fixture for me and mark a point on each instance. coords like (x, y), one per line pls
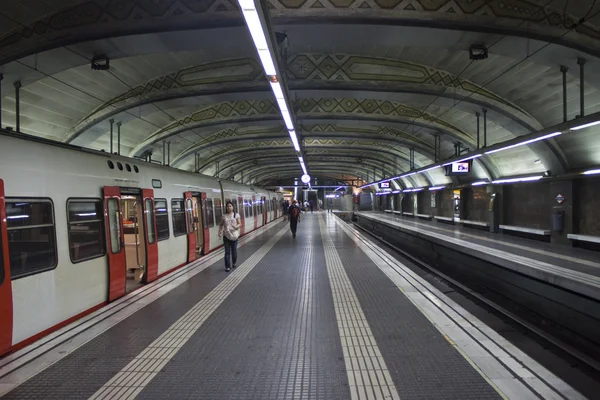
(478, 52)
(101, 63)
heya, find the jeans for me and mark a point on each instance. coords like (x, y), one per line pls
(293, 224)
(230, 250)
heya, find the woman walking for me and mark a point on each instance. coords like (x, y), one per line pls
(229, 228)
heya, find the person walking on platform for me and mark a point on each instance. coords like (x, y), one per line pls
(229, 228)
(286, 206)
(294, 214)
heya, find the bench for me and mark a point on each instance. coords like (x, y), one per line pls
(388, 211)
(397, 212)
(478, 223)
(440, 218)
(584, 238)
(408, 214)
(523, 229)
(424, 216)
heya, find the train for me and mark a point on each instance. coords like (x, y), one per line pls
(80, 228)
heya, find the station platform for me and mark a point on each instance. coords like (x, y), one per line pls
(326, 315)
(574, 269)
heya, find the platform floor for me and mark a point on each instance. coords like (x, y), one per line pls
(327, 315)
(577, 259)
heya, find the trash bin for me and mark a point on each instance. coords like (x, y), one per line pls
(558, 220)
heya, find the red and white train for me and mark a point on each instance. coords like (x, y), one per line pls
(80, 228)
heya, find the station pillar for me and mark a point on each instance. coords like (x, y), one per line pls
(562, 215)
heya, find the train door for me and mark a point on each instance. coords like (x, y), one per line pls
(193, 224)
(240, 208)
(200, 224)
(150, 236)
(6, 307)
(115, 242)
(131, 239)
(255, 212)
(265, 209)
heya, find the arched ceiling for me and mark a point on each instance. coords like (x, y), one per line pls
(369, 80)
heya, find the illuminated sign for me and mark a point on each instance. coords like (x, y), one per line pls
(384, 185)
(461, 167)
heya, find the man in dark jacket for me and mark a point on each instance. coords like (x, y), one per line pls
(294, 213)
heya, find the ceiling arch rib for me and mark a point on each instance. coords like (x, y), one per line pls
(95, 19)
(310, 147)
(367, 164)
(258, 173)
(242, 78)
(237, 165)
(233, 114)
(314, 132)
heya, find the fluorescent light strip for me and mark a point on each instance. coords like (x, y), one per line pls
(301, 159)
(258, 35)
(277, 90)
(525, 142)
(524, 179)
(464, 159)
(592, 172)
(431, 189)
(395, 191)
(294, 139)
(479, 183)
(585, 126)
(430, 168)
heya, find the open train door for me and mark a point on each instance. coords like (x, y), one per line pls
(6, 307)
(150, 236)
(206, 232)
(255, 212)
(265, 209)
(189, 223)
(115, 242)
(241, 210)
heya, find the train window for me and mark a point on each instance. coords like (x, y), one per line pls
(156, 183)
(86, 233)
(189, 212)
(218, 210)
(178, 214)
(246, 208)
(111, 165)
(254, 208)
(31, 236)
(235, 207)
(149, 211)
(162, 218)
(120, 166)
(114, 225)
(128, 167)
(136, 169)
(209, 215)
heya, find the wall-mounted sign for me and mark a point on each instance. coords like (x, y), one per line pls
(461, 167)
(384, 185)
(560, 198)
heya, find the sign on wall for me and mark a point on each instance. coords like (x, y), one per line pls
(433, 204)
(560, 198)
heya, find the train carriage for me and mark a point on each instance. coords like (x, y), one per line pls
(80, 228)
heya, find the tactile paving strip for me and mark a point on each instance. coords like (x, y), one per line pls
(274, 337)
(82, 373)
(134, 377)
(421, 362)
(368, 374)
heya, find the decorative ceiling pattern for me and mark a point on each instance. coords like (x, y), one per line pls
(100, 18)
(365, 102)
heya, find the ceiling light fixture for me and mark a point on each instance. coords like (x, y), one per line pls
(548, 136)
